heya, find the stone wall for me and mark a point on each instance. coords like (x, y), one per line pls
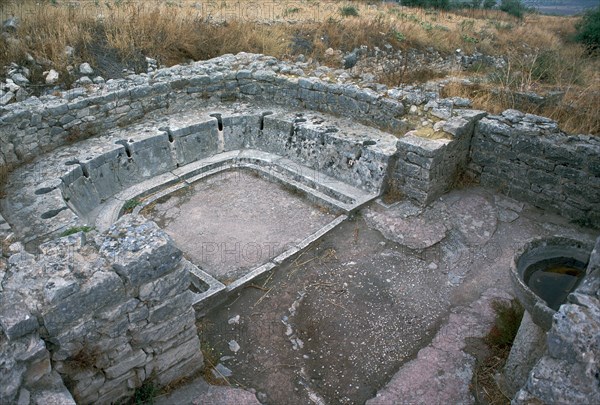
(26, 375)
(426, 168)
(113, 312)
(527, 158)
(108, 313)
(39, 125)
(336, 160)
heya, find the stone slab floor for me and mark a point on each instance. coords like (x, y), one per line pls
(337, 322)
(235, 221)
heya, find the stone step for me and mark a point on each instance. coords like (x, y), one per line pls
(84, 183)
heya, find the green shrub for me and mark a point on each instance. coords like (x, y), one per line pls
(439, 4)
(476, 3)
(131, 204)
(349, 11)
(414, 3)
(588, 30)
(399, 36)
(487, 4)
(513, 7)
(145, 394)
(469, 39)
(290, 11)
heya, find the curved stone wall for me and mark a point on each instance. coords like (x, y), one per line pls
(339, 164)
(568, 370)
(40, 125)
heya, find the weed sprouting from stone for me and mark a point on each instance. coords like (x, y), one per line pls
(463, 179)
(85, 359)
(144, 395)
(130, 205)
(499, 341)
(75, 229)
(392, 193)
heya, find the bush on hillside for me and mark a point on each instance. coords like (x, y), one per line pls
(513, 7)
(487, 4)
(439, 4)
(588, 30)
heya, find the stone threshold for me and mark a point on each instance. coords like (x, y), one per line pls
(216, 292)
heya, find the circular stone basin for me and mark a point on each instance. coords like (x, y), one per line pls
(545, 271)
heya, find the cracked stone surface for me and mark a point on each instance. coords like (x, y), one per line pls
(474, 217)
(398, 224)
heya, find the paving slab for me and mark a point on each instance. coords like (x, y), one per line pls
(442, 371)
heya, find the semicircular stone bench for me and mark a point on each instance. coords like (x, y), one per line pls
(336, 164)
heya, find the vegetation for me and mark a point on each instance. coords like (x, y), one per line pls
(85, 359)
(144, 395)
(508, 320)
(349, 11)
(488, 4)
(588, 30)
(439, 4)
(499, 341)
(130, 205)
(540, 53)
(513, 7)
(76, 229)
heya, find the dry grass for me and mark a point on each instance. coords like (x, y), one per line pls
(499, 341)
(173, 36)
(576, 112)
(485, 386)
(173, 31)
(392, 192)
(538, 50)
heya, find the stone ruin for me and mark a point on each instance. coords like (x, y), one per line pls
(89, 317)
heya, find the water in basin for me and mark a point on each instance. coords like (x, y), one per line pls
(553, 279)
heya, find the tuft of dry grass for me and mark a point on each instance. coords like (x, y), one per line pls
(408, 73)
(85, 359)
(392, 192)
(345, 35)
(499, 341)
(485, 387)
